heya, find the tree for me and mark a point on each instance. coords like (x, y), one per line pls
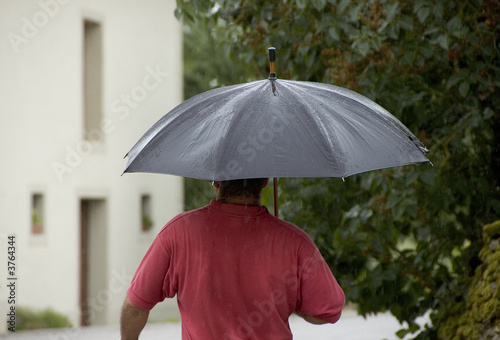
(404, 240)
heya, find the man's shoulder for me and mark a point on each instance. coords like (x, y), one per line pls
(191, 214)
(290, 228)
(185, 218)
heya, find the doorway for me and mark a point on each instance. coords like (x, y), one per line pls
(93, 262)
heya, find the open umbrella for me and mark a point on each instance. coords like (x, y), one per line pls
(275, 128)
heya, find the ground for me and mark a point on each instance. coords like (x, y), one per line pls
(350, 327)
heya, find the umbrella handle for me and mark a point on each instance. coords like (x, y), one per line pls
(272, 59)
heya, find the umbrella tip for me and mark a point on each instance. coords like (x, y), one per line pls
(272, 59)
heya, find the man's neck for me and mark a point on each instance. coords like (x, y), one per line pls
(239, 200)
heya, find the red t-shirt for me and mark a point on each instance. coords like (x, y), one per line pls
(238, 273)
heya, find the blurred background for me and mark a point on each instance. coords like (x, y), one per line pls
(81, 81)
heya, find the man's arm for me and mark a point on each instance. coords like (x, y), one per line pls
(321, 297)
(133, 320)
(311, 319)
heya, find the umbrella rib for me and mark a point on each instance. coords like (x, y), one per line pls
(156, 132)
(324, 141)
(366, 106)
(242, 99)
(382, 115)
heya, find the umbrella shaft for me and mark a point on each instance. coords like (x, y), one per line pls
(275, 187)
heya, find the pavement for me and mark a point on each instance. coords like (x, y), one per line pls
(350, 327)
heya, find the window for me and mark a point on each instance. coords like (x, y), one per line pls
(92, 81)
(146, 221)
(37, 213)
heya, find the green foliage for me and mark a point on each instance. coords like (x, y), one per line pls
(477, 317)
(197, 193)
(206, 64)
(147, 223)
(403, 240)
(28, 319)
(35, 217)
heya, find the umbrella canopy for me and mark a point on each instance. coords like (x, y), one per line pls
(275, 128)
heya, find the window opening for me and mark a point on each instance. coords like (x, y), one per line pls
(146, 220)
(37, 213)
(92, 78)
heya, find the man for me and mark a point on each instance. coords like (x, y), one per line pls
(238, 272)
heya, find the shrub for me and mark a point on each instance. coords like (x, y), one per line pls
(477, 317)
(28, 319)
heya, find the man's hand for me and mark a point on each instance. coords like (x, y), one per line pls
(311, 319)
(132, 321)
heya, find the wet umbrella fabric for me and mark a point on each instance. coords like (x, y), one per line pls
(275, 128)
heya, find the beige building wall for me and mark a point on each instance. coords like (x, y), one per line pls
(80, 82)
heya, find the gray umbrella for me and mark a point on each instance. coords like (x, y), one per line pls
(275, 128)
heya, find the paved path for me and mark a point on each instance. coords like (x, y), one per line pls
(350, 327)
